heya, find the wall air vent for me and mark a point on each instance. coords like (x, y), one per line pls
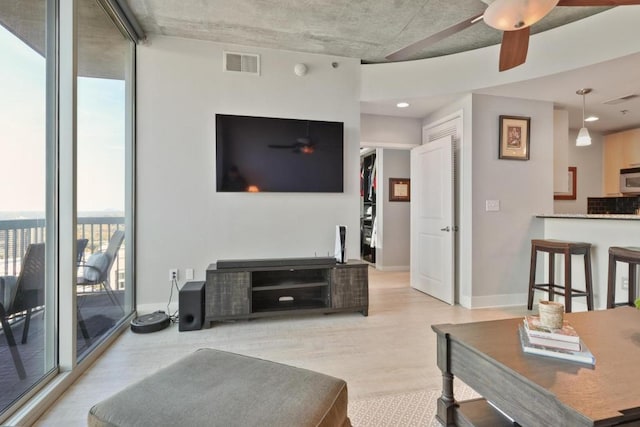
(621, 99)
(242, 62)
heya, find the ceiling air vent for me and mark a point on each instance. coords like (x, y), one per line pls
(242, 62)
(621, 99)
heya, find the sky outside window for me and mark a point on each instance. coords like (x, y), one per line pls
(101, 134)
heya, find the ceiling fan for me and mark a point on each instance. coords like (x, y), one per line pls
(514, 18)
(303, 144)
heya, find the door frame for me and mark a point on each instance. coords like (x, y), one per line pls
(462, 223)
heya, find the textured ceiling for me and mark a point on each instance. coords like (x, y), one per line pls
(371, 29)
(364, 29)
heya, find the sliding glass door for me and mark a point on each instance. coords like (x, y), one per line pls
(26, 311)
(105, 63)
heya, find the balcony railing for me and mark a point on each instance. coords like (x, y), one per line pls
(17, 234)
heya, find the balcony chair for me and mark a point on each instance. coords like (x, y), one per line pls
(22, 294)
(97, 269)
(81, 246)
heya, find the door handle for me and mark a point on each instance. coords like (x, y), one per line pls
(445, 229)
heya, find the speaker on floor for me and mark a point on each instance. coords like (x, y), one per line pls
(341, 238)
(191, 306)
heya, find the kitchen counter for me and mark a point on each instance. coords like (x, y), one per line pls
(602, 231)
(590, 216)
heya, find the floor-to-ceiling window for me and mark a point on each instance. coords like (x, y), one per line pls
(26, 356)
(104, 72)
(66, 187)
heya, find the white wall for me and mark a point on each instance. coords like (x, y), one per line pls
(588, 163)
(560, 150)
(181, 221)
(393, 251)
(502, 240)
(377, 130)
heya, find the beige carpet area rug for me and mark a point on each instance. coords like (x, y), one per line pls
(417, 409)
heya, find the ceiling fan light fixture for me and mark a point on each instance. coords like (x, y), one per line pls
(510, 15)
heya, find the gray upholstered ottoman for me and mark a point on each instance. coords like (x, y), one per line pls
(217, 388)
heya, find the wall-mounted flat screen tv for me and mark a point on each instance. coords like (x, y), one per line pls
(262, 154)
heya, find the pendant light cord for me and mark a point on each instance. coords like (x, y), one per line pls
(583, 104)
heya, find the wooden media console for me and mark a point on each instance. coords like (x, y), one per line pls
(244, 289)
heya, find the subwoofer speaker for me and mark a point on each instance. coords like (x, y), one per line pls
(191, 306)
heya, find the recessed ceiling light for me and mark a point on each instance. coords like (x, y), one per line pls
(402, 104)
(591, 119)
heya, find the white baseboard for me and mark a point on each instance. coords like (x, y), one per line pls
(492, 301)
(150, 308)
(512, 300)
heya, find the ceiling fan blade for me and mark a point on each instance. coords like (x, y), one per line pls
(282, 146)
(406, 52)
(598, 2)
(514, 48)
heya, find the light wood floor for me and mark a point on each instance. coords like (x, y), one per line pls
(391, 351)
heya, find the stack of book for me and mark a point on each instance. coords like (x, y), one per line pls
(563, 343)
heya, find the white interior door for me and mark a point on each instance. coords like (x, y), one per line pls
(432, 219)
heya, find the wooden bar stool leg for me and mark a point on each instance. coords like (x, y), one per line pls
(532, 276)
(611, 282)
(588, 279)
(567, 281)
(552, 273)
(632, 283)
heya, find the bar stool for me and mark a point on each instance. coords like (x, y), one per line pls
(553, 247)
(631, 256)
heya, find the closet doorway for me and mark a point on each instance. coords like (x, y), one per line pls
(384, 220)
(368, 221)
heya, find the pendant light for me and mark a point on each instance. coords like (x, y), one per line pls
(583, 138)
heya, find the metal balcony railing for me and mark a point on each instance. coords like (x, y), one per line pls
(17, 234)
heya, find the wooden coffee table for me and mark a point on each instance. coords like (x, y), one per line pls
(535, 390)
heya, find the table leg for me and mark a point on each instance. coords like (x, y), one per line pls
(446, 403)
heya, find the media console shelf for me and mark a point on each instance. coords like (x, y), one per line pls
(244, 289)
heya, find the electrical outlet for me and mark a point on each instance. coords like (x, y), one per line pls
(492, 205)
(173, 274)
(625, 283)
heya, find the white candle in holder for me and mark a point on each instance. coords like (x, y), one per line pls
(551, 314)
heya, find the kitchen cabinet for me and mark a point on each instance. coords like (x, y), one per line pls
(613, 160)
(631, 149)
(621, 150)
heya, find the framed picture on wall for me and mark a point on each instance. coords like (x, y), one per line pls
(514, 137)
(573, 190)
(399, 190)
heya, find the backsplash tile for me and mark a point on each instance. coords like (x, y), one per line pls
(613, 205)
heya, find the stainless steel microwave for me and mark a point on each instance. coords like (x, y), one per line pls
(630, 181)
